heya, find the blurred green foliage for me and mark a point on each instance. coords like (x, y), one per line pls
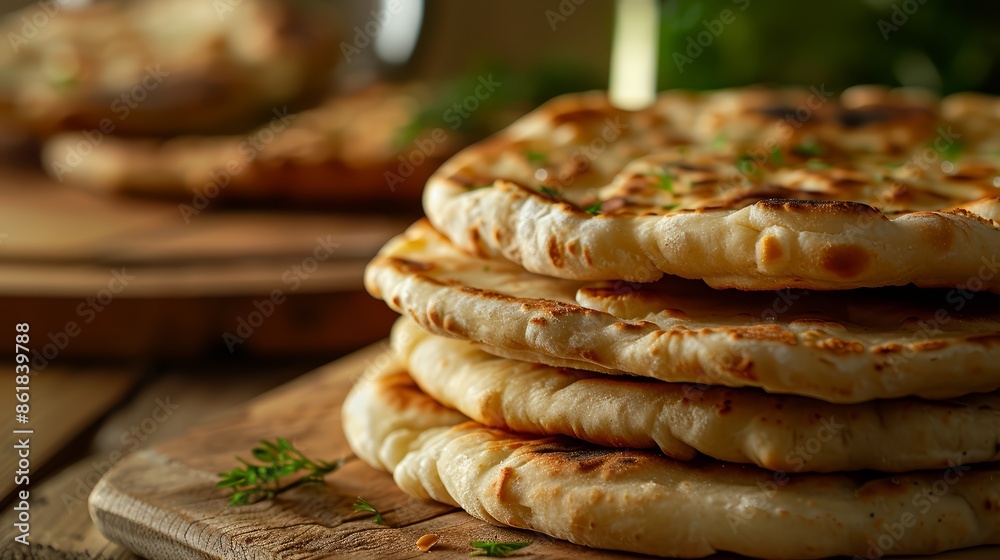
(946, 46)
(517, 93)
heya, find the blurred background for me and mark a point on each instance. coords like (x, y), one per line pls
(190, 189)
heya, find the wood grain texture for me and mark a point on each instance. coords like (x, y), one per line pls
(304, 325)
(60, 531)
(64, 403)
(44, 222)
(61, 524)
(190, 279)
(161, 503)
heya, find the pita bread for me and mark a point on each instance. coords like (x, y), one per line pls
(412, 415)
(777, 432)
(976, 117)
(162, 66)
(345, 150)
(795, 190)
(841, 347)
(643, 502)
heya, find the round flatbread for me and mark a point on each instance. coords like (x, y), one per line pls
(382, 441)
(752, 189)
(778, 432)
(161, 66)
(841, 347)
(644, 502)
(345, 150)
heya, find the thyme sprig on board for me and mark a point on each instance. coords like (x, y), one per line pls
(496, 549)
(256, 482)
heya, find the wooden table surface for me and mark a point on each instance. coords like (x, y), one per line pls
(160, 339)
(88, 418)
(136, 278)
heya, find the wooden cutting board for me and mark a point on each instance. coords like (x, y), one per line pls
(191, 277)
(162, 503)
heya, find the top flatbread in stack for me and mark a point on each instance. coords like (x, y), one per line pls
(869, 190)
(585, 244)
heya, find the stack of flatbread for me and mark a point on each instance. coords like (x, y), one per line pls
(758, 321)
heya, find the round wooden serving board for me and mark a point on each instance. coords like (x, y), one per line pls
(191, 278)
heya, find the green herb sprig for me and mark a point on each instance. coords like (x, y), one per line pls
(777, 157)
(550, 192)
(746, 165)
(253, 483)
(808, 148)
(496, 549)
(535, 157)
(953, 151)
(362, 505)
(666, 182)
(719, 142)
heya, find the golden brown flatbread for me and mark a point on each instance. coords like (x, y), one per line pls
(346, 150)
(753, 189)
(777, 432)
(161, 66)
(837, 346)
(643, 502)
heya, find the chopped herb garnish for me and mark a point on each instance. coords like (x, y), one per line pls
(594, 208)
(719, 142)
(671, 206)
(550, 192)
(477, 187)
(362, 505)
(953, 151)
(666, 182)
(746, 165)
(879, 177)
(260, 482)
(486, 268)
(808, 148)
(67, 82)
(496, 549)
(776, 156)
(534, 158)
(817, 164)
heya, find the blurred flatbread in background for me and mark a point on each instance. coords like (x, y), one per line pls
(353, 147)
(162, 66)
